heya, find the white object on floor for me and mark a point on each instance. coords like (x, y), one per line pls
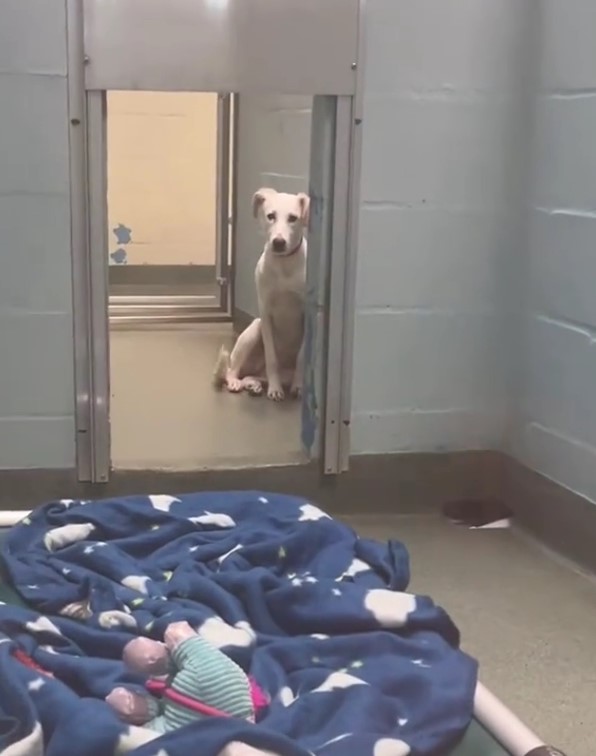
(502, 723)
(496, 525)
(11, 517)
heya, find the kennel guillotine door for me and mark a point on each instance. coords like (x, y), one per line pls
(252, 49)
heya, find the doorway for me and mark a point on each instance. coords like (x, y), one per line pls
(124, 326)
(168, 321)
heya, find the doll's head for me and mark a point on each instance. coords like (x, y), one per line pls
(146, 657)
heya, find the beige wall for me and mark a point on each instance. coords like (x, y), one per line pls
(161, 176)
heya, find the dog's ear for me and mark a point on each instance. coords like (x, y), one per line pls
(260, 197)
(304, 203)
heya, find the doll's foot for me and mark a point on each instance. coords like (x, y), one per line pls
(146, 657)
(131, 707)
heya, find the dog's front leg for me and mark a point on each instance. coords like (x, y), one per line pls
(274, 387)
(297, 381)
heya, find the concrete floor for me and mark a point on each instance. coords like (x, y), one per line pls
(166, 415)
(528, 618)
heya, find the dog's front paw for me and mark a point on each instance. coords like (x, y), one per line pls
(275, 392)
(296, 391)
(234, 385)
(254, 387)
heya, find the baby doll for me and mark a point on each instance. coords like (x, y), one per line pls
(191, 679)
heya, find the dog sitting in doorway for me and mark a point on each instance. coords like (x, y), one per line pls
(270, 351)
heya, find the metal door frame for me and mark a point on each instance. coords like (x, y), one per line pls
(90, 295)
(223, 181)
(90, 292)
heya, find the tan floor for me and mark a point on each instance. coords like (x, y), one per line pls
(165, 414)
(529, 619)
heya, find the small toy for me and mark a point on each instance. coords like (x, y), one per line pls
(189, 679)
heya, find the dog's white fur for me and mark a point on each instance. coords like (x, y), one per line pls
(271, 349)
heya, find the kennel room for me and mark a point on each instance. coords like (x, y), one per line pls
(444, 150)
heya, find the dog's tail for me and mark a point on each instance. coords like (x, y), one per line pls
(221, 368)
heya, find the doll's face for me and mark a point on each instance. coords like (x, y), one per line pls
(146, 657)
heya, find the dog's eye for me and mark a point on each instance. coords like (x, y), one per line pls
(271, 216)
(292, 218)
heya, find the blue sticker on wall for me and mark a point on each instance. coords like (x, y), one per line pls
(123, 234)
(119, 256)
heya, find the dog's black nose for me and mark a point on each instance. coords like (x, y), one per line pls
(278, 244)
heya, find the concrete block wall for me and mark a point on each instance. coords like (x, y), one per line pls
(440, 223)
(36, 370)
(555, 431)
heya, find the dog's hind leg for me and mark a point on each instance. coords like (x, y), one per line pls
(242, 359)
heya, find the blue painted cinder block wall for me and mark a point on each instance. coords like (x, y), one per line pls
(36, 360)
(554, 429)
(443, 169)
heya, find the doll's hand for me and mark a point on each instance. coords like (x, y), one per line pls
(176, 633)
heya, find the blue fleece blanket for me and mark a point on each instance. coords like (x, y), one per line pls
(319, 617)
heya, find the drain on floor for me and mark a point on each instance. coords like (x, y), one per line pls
(478, 513)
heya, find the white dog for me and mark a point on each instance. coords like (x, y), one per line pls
(271, 349)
